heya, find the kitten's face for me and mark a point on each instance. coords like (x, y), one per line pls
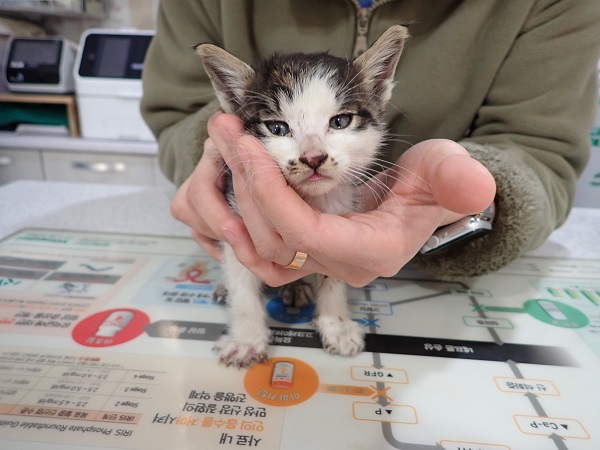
(320, 117)
(315, 118)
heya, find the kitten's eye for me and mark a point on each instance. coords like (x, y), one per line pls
(340, 121)
(278, 128)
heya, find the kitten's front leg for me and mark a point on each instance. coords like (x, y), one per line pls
(339, 333)
(298, 294)
(247, 340)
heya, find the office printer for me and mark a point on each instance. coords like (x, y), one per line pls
(40, 65)
(108, 84)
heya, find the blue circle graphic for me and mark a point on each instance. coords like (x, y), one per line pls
(287, 314)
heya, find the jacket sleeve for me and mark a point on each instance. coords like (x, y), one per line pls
(178, 98)
(532, 133)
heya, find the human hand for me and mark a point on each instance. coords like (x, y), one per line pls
(200, 202)
(435, 182)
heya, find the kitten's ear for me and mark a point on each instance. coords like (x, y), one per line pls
(228, 75)
(378, 63)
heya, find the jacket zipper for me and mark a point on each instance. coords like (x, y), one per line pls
(363, 21)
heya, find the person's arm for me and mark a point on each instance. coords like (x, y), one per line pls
(536, 185)
(532, 133)
(178, 97)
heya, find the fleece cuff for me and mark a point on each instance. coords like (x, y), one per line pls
(522, 213)
(186, 144)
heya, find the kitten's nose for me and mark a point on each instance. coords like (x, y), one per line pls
(314, 162)
(312, 151)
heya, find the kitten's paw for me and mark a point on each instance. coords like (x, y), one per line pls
(342, 337)
(220, 294)
(241, 354)
(298, 294)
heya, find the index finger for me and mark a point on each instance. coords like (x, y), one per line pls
(287, 212)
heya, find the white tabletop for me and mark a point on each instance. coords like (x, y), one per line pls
(455, 361)
(145, 210)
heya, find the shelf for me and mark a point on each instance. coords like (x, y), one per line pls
(67, 100)
(27, 9)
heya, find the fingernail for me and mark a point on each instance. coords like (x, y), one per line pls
(230, 236)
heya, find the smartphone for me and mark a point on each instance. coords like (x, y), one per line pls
(463, 230)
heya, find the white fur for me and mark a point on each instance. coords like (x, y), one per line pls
(330, 187)
(349, 150)
(248, 337)
(308, 112)
(339, 333)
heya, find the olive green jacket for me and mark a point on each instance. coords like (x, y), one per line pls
(513, 81)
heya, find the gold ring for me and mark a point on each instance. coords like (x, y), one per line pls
(298, 261)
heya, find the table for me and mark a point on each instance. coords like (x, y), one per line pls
(87, 207)
(145, 210)
(105, 341)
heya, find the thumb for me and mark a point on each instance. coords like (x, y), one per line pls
(458, 182)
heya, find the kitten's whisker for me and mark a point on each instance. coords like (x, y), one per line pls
(388, 179)
(398, 169)
(389, 138)
(250, 181)
(226, 167)
(378, 194)
(375, 194)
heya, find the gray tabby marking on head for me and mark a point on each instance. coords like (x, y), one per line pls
(311, 110)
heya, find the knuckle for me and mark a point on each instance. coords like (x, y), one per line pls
(389, 270)
(266, 251)
(265, 272)
(273, 280)
(196, 188)
(209, 146)
(388, 262)
(298, 243)
(361, 280)
(177, 210)
(253, 263)
(386, 268)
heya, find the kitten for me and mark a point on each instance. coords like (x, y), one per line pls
(321, 118)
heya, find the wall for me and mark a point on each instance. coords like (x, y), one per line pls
(139, 14)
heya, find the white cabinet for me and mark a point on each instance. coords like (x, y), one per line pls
(160, 180)
(18, 164)
(91, 167)
(53, 158)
